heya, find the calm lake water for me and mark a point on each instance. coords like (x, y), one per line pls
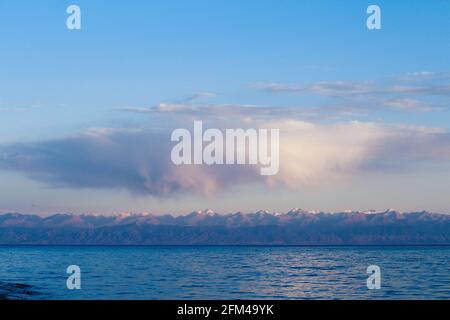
(39, 272)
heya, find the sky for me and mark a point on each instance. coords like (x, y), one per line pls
(86, 115)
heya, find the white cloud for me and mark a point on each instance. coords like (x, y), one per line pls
(310, 154)
(399, 92)
(408, 104)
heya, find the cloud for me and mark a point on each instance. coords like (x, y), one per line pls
(182, 104)
(197, 96)
(332, 89)
(407, 104)
(20, 107)
(398, 90)
(314, 154)
(213, 112)
(138, 160)
(349, 89)
(278, 87)
(134, 109)
(431, 90)
(341, 88)
(247, 112)
(420, 76)
(312, 151)
(135, 160)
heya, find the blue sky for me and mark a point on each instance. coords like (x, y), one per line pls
(56, 83)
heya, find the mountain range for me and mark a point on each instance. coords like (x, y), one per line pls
(296, 227)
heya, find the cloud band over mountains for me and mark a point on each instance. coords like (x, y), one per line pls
(138, 160)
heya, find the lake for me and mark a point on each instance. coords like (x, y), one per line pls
(216, 272)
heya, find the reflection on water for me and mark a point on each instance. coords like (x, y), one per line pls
(225, 272)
